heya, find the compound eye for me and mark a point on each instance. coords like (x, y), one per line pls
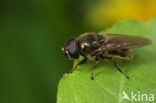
(73, 48)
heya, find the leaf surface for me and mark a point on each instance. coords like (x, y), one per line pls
(109, 85)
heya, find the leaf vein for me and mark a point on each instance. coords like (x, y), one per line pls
(106, 89)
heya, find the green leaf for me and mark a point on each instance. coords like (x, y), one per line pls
(109, 84)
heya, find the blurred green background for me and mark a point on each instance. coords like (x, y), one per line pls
(32, 33)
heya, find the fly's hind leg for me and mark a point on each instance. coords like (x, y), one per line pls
(115, 64)
(81, 62)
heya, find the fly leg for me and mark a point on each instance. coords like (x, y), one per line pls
(115, 64)
(81, 62)
(97, 62)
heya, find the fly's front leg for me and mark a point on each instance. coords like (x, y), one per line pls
(81, 62)
(97, 62)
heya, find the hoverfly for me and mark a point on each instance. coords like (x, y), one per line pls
(104, 46)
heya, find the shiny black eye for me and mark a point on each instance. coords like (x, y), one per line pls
(73, 49)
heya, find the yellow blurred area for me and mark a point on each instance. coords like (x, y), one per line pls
(105, 14)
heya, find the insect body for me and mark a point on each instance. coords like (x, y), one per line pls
(104, 46)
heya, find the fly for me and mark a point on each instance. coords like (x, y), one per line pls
(104, 46)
